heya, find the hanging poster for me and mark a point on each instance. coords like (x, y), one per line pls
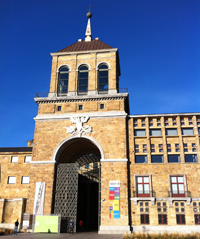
(46, 224)
(39, 198)
(114, 199)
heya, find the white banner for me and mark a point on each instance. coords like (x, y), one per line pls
(39, 198)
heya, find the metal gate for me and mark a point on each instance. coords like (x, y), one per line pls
(66, 194)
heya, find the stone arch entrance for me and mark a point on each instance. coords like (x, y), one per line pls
(78, 182)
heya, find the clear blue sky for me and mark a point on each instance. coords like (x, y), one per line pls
(159, 49)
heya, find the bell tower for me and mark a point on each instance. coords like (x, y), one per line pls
(84, 113)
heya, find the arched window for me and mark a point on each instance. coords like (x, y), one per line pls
(63, 80)
(83, 80)
(103, 79)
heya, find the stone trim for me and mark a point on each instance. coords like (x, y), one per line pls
(11, 200)
(77, 136)
(160, 115)
(136, 199)
(114, 230)
(56, 99)
(58, 69)
(162, 229)
(84, 63)
(103, 62)
(82, 52)
(113, 160)
(115, 114)
(42, 162)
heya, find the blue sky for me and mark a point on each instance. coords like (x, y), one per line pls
(159, 49)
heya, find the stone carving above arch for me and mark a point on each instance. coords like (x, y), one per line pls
(79, 129)
(89, 67)
(71, 138)
(103, 62)
(58, 69)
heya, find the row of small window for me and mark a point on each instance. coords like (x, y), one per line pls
(12, 180)
(27, 159)
(172, 158)
(158, 122)
(169, 148)
(83, 73)
(80, 107)
(169, 132)
(177, 184)
(162, 219)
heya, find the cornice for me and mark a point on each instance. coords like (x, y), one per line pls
(48, 100)
(83, 52)
(96, 115)
(166, 114)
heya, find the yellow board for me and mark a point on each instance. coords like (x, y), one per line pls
(116, 205)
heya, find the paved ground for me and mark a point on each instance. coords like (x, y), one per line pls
(84, 235)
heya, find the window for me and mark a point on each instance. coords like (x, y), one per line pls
(87, 166)
(155, 132)
(197, 218)
(143, 186)
(80, 107)
(171, 132)
(180, 218)
(162, 219)
(103, 79)
(177, 149)
(194, 147)
(101, 106)
(83, 80)
(152, 148)
(140, 132)
(27, 159)
(59, 108)
(169, 149)
(144, 148)
(11, 180)
(95, 165)
(174, 158)
(191, 158)
(63, 80)
(157, 158)
(160, 148)
(141, 159)
(185, 147)
(25, 180)
(14, 159)
(144, 218)
(177, 186)
(199, 130)
(187, 131)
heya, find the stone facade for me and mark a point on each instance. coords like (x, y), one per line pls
(145, 153)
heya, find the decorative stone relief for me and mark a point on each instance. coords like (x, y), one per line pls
(79, 128)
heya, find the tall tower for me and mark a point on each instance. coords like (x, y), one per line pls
(83, 120)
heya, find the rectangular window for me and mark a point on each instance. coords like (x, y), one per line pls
(169, 148)
(80, 107)
(14, 159)
(199, 130)
(95, 165)
(177, 148)
(59, 108)
(155, 132)
(197, 218)
(143, 186)
(174, 158)
(191, 158)
(87, 166)
(11, 180)
(144, 218)
(180, 219)
(157, 158)
(177, 186)
(27, 159)
(187, 131)
(141, 159)
(101, 106)
(171, 132)
(162, 219)
(152, 148)
(140, 132)
(25, 180)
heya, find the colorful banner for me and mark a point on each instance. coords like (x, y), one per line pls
(114, 199)
(46, 224)
(39, 198)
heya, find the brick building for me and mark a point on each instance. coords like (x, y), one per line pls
(92, 160)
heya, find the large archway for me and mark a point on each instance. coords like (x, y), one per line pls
(77, 182)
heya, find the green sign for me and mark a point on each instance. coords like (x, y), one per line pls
(46, 224)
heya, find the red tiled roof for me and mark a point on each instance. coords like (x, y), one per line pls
(86, 46)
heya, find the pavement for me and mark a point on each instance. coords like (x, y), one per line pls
(79, 235)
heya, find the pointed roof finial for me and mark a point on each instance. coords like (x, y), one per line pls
(88, 33)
